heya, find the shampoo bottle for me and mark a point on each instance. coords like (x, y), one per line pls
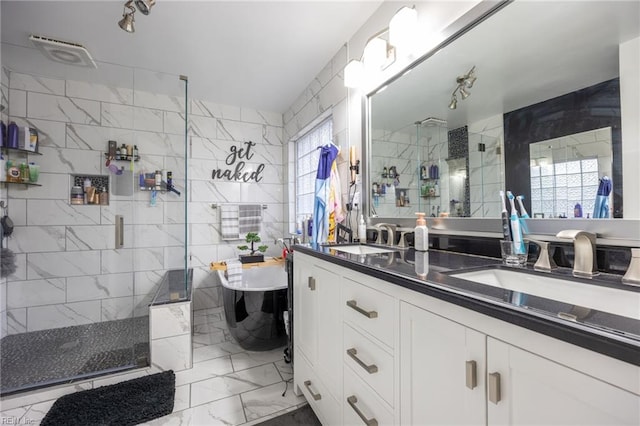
(421, 234)
(362, 230)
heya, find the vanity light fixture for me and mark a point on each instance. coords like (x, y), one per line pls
(464, 83)
(380, 52)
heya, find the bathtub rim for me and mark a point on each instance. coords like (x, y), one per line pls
(243, 287)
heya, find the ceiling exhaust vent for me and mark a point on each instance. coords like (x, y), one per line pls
(63, 51)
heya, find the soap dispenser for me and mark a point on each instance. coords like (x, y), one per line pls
(421, 233)
(362, 230)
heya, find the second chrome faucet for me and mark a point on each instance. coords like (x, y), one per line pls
(584, 248)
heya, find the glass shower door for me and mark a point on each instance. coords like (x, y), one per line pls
(88, 267)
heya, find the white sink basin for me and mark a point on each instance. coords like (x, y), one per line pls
(361, 249)
(606, 299)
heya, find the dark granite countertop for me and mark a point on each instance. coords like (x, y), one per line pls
(613, 335)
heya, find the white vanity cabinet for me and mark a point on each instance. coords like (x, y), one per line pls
(383, 354)
(442, 368)
(525, 388)
(318, 336)
(452, 374)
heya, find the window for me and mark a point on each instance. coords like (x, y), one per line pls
(557, 188)
(307, 156)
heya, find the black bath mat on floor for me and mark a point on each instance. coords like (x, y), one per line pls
(127, 403)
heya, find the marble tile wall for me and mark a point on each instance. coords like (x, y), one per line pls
(325, 94)
(69, 271)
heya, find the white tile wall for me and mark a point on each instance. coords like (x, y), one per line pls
(65, 253)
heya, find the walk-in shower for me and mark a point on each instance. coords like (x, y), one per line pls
(77, 305)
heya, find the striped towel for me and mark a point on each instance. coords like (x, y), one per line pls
(249, 218)
(229, 222)
(234, 272)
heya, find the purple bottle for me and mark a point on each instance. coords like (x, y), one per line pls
(3, 129)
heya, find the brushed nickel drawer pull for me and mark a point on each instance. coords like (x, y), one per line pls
(354, 305)
(494, 387)
(368, 368)
(312, 283)
(352, 400)
(316, 396)
(471, 374)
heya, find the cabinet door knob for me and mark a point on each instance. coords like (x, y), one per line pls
(315, 396)
(494, 387)
(368, 368)
(354, 305)
(312, 283)
(471, 374)
(352, 400)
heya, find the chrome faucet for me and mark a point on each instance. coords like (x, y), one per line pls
(545, 261)
(584, 248)
(390, 233)
(632, 277)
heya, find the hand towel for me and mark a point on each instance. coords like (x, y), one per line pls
(229, 224)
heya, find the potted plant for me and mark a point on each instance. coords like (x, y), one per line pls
(252, 238)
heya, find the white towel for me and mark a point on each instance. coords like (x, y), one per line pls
(234, 272)
(249, 218)
(229, 223)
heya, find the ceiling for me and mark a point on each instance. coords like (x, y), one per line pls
(255, 54)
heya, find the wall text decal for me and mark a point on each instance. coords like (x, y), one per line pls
(236, 156)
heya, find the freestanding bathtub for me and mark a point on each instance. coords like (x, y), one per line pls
(254, 307)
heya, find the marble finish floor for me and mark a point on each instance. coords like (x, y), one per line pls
(227, 385)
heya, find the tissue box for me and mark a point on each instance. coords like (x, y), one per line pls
(28, 139)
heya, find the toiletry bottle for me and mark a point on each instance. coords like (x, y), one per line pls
(85, 186)
(362, 230)
(577, 210)
(158, 179)
(169, 180)
(104, 196)
(3, 130)
(421, 234)
(135, 152)
(12, 135)
(123, 152)
(3, 168)
(421, 264)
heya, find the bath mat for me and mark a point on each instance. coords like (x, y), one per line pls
(302, 416)
(127, 403)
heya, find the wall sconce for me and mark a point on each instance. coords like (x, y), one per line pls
(379, 53)
(464, 83)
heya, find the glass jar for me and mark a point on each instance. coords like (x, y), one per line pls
(77, 195)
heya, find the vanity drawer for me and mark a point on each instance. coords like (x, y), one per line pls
(315, 392)
(361, 404)
(371, 310)
(370, 362)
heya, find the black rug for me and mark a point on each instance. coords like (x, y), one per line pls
(127, 403)
(302, 416)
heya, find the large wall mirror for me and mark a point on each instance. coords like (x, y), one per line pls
(539, 98)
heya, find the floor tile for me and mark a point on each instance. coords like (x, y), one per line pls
(244, 360)
(204, 370)
(267, 400)
(215, 351)
(233, 384)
